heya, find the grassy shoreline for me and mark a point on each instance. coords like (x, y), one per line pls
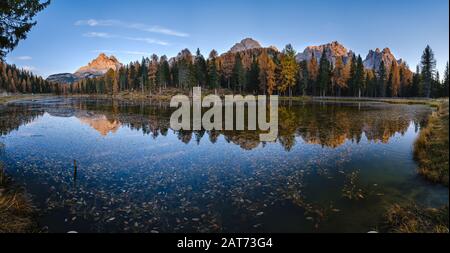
(17, 214)
(431, 149)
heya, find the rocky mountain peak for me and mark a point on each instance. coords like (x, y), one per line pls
(374, 59)
(245, 44)
(96, 68)
(101, 64)
(332, 51)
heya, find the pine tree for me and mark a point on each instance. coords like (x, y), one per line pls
(238, 76)
(324, 74)
(445, 84)
(303, 78)
(213, 73)
(382, 79)
(163, 72)
(253, 76)
(428, 66)
(200, 69)
(16, 20)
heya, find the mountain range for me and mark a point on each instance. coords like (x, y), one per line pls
(99, 66)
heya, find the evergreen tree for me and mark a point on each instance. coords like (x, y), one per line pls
(163, 72)
(16, 20)
(445, 83)
(428, 66)
(253, 76)
(303, 78)
(238, 77)
(324, 74)
(382, 79)
(213, 74)
(200, 69)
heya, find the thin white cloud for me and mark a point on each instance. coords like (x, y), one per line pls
(98, 35)
(23, 58)
(136, 26)
(148, 41)
(109, 36)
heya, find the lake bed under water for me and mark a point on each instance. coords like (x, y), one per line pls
(335, 167)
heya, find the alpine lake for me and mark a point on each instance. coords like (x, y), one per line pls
(102, 165)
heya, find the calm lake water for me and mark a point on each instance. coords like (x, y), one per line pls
(335, 167)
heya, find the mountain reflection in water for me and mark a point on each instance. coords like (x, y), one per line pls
(325, 124)
(334, 167)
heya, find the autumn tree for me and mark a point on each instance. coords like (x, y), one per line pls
(313, 73)
(267, 74)
(394, 79)
(340, 76)
(288, 70)
(152, 74)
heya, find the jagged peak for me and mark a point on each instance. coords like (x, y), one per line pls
(245, 44)
(101, 64)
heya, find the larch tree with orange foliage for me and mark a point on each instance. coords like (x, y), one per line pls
(267, 73)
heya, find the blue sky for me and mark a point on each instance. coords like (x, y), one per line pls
(71, 33)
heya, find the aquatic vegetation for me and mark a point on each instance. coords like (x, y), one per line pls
(414, 219)
(16, 211)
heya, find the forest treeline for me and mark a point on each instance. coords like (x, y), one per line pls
(267, 71)
(17, 80)
(253, 71)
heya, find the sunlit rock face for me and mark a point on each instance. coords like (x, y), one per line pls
(96, 68)
(333, 50)
(374, 58)
(245, 44)
(101, 124)
(99, 66)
